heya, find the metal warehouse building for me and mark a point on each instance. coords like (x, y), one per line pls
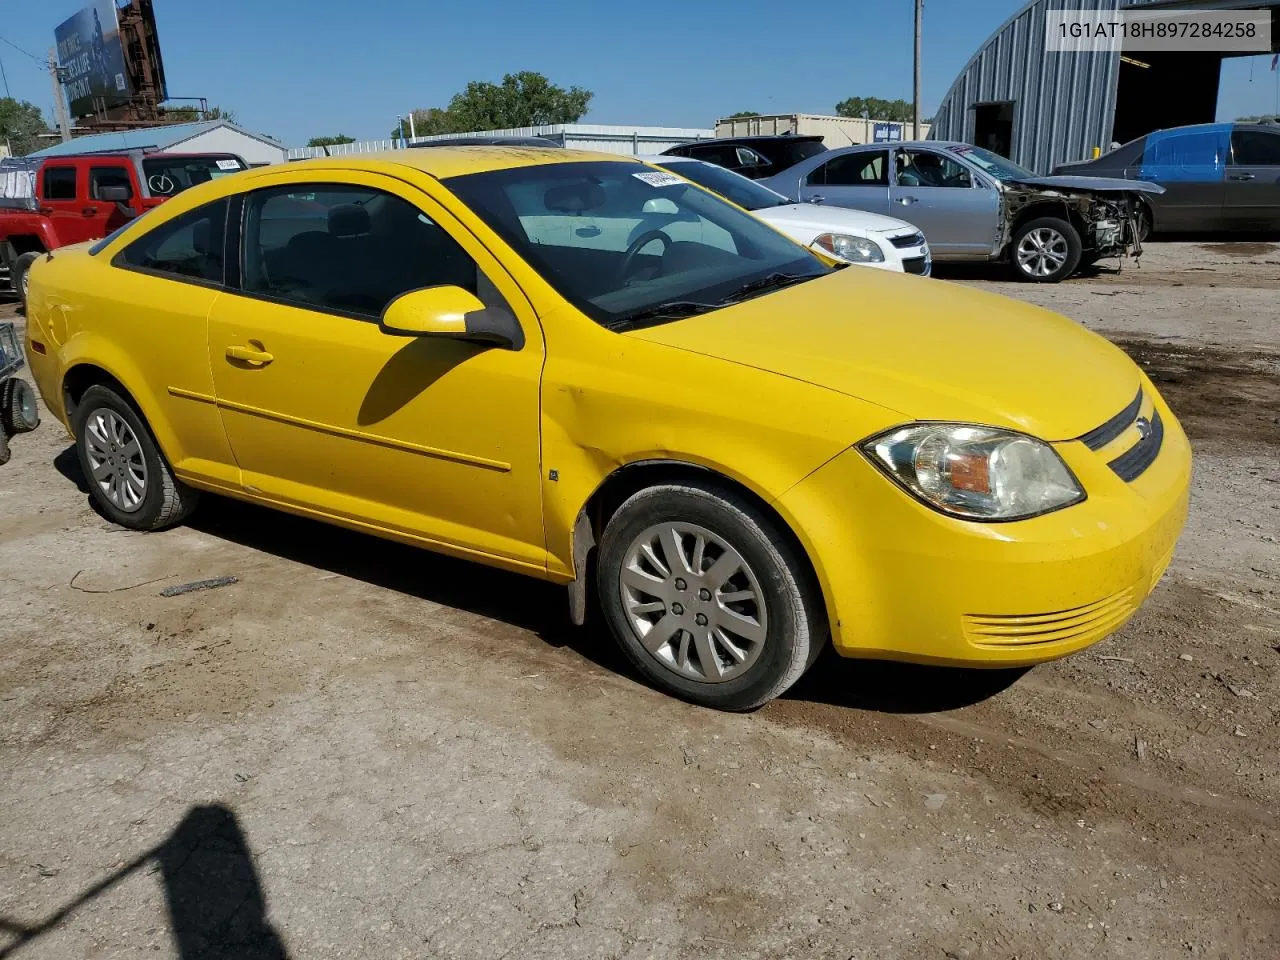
(1040, 109)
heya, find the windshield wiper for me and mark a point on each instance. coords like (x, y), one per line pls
(773, 281)
(659, 312)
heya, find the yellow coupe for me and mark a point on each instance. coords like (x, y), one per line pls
(559, 362)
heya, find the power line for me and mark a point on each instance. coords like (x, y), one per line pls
(26, 53)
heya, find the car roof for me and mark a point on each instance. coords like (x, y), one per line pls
(444, 162)
(751, 138)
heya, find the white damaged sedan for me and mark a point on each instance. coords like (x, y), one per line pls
(867, 239)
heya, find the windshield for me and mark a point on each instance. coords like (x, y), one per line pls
(732, 186)
(169, 175)
(628, 244)
(994, 164)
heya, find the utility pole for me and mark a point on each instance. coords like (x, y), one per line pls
(59, 101)
(915, 100)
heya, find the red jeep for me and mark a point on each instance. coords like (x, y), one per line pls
(76, 198)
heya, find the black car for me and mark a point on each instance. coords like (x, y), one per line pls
(754, 157)
(1216, 176)
(493, 141)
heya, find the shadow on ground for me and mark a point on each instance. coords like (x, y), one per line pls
(542, 608)
(217, 908)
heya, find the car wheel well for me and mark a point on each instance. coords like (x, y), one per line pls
(83, 376)
(628, 480)
(1046, 208)
(25, 243)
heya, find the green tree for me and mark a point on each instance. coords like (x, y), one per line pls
(524, 99)
(21, 125)
(330, 141)
(741, 114)
(875, 109)
(190, 114)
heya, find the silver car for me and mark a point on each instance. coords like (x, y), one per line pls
(973, 204)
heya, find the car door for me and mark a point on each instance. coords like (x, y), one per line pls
(434, 439)
(858, 179)
(64, 200)
(1191, 166)
(957, 210)
(1252, 200)
(108, 215)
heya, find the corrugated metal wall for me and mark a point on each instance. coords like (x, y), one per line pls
(1064, 104)
(576, 136)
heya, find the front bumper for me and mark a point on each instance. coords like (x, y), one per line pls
(904, 582)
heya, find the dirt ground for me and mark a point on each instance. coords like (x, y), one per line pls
(360, 750)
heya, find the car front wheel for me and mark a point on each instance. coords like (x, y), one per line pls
(707, 597)
(1046, 250)
(128, 477)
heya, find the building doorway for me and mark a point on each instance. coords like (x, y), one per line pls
(993, 126)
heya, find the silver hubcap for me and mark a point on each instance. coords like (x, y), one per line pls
(693, 602)
(115, 459)
(1042, 252)
(26, 283)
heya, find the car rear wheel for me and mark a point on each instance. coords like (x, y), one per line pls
(19, 275)
(129, 478)
(1046, 250)
(707, 596)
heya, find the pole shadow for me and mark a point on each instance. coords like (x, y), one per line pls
(217, 908)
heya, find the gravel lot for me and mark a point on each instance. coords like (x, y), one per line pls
(360, 750)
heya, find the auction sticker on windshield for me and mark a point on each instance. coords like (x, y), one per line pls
(228, 164)
(656, 179)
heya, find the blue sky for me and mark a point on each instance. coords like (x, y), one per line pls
(300, 68)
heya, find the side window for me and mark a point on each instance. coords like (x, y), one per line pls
(1256, 148)
(923, 168)
(346, 249)
(187, 247)
(108, 177)
(59, 183)
(854, 170)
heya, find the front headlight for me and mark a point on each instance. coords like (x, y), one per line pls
(853, 249)
(979, 473)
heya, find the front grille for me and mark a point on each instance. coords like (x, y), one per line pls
(910, 240)
(1089, 622)
(1131, 464)
(916, 265)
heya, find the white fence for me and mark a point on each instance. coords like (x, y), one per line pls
(576, 136)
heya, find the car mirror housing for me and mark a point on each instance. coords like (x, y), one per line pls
(660, 205)
(449, 311)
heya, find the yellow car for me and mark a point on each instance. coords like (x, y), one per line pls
(559, 362)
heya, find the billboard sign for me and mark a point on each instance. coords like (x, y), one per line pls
(886, 133)
(91, 58)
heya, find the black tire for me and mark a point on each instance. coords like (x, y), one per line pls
(795, 620)
(4, 448)
(19, 412)
(18, 275)
(166, 500)
(1142, 222)
(1059, 271)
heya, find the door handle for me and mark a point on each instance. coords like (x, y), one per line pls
(816, 199)
(259, 358)
(89, 211)
(1242, 176)
(907, 201)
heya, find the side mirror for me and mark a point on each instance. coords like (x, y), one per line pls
(450, 312)
(115, 194)
(660, 205)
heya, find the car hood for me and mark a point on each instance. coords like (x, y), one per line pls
(834, 219)
(926, 349)
(1095, 184)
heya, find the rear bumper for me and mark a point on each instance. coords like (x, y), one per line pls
(902, 581)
